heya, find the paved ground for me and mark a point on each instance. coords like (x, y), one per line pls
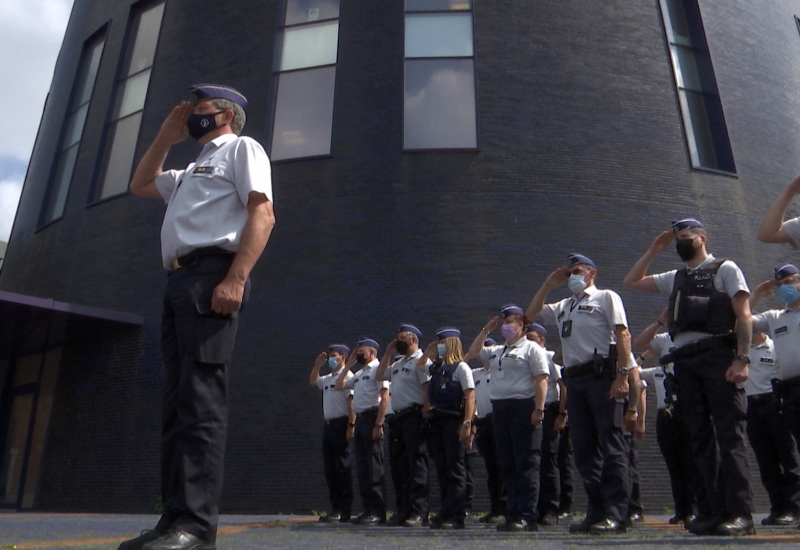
(106, 531)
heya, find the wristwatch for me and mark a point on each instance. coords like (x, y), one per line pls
(623, 370)
(539, 410)
(466, 423)
(744, 359)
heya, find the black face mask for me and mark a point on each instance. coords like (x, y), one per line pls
(685, 249)
(402, 347)
(362, 359)
(200, 125)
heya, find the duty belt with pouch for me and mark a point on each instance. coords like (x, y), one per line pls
(598, 366)
(394, 417)
(781, 387)
(719, 341)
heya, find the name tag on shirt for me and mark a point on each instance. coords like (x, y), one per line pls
(586, 309)
(781, 330)
(205, 170)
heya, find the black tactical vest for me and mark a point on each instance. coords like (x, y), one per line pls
(444, 392)
(696, 305)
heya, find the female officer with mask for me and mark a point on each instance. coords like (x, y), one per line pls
(451, 392)
(519, 387)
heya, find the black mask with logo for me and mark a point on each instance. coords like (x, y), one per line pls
(199, 125)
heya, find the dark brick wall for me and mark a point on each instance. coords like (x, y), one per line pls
(581, 148)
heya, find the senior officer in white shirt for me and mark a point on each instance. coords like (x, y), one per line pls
(783, 325)
(408, 453)
(518, 390)
(598, 372)
(370, 403)
(218, 220)
(337, 409)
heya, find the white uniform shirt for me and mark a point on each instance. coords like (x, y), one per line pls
(763, 368)
(407, 381)
(334, 403)
(514, 367)
(552, 378)
(483, 402)
(594, 314)
(654, 376)
(784, 327)
(792, 228)
(366, 387)
(207, 202)
(729, 279)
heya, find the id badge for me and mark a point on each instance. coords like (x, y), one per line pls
(499, 374)
(566, 328)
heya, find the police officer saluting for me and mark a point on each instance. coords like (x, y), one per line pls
(370, 403)
(337, 408)
(710, 325)
(596, 352)
(408, 454)
(451, 393)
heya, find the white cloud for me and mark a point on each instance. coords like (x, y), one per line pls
(9, 197)
(31, 32)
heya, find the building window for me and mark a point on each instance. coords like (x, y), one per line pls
(130, 94)
(64, 164)
(440, 107)
(701, 107)
(306, 76)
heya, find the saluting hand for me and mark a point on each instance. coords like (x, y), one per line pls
(173, 129)
(661, 243)
(321, 359)
(557, 277)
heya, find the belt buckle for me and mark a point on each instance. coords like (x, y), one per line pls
(176, 265)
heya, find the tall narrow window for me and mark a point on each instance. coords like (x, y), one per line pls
(440, 110)
(130, 94)
(61, 177)
(306, 76)
(701, 107)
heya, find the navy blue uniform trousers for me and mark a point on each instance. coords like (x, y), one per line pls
(408, 459)
(196, 346)
(336, 455)
(601, 452)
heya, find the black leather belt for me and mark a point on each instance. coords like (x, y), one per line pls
(719, 341)
(760, 399)
(198, 253)
(578, 370)
(369, 412)
(337, 420)
(483, 421)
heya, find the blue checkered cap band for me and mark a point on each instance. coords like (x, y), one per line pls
(369, 342)
(679, 224)
(510, 309)
(536, 327)
(575, 259)
(200, 92)
(341, 348)
(447, 332)
(405, 327)
(785, 270)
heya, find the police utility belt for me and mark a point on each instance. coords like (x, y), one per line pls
(720, 341)
(781, 387)
(404, 413)
(599, 366)
(198, 253)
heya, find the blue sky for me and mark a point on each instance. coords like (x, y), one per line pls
(31, 32)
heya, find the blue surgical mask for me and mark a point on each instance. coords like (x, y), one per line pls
(333, 362)
(576, 283)
(788, 293)
(441, 349)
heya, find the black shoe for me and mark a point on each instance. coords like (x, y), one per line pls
(549, 519)
(179, 540)
(636, 517)
(345, 518)
(786, 518)
(332, 517)
(148, 535)
(371, 520)
(565, 516)
(704, 525)
(516, 526)
(607, 527)
(414, 521)
(493, 519)
(688, 520)
(395, 521)
(738, 526)
(676, 519)
(581, 528)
